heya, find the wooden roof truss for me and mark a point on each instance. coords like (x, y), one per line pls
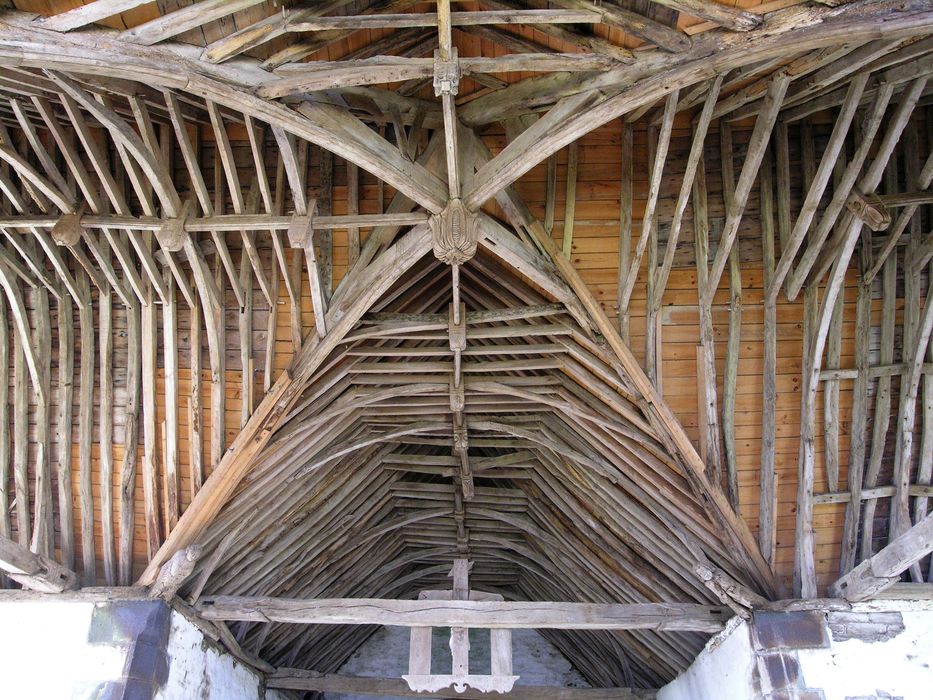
(489, 411)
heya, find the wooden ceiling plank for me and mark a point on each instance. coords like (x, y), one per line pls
(584, 111)
(728, 17)
(265, 30)
(587, 42)
(88, 14)
(184, 19)
(633, 23)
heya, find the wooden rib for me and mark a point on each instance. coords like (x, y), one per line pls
(105, 335)
(64, 426)
(239, 206)
(6, 527)
(804, 554)
(872, 122)
(756, 148)
(686, 186)
(625, 224)
(570, 199)
(633, 23)
(130, 442)
(730, 371)
(265, 30)
(834, 146)
(86, 438)
(236, 461)
(878, 573)
(20, 435)
(727, 17)
(149, 341)
(654, 189)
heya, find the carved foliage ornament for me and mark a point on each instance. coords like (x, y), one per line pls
(455, 233)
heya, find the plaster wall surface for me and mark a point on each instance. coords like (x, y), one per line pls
(724, 669)
(61, 648)
(198, 669)
(881, 649)
(535, 660)
(40, 635)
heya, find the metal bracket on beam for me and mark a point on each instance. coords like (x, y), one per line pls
(870, 209)
(446, 73)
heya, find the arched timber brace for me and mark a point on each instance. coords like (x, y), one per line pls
(627, 307)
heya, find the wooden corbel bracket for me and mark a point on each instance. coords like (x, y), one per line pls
(301, 228)
(67, 231)
(870, 209)
(172, 234)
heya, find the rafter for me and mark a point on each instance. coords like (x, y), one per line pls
(584, 111)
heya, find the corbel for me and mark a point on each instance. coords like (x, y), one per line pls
(172, 234)
(870, 209)
(67, 231)
(301, 228)
(446, 73)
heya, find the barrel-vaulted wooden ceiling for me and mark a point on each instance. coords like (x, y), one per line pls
(226, 323)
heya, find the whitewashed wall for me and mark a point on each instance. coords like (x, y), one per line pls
(198, 669)
(882, 649)
(58, 648)
(44, 651)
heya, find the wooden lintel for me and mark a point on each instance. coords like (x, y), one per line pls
(662, 617)
(300, 679)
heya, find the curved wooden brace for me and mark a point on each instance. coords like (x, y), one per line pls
(154, 167)
(578, 114)
(168, 66)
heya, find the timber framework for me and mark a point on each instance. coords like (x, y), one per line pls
(304, 302)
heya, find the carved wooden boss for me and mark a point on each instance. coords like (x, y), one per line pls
(421, 680)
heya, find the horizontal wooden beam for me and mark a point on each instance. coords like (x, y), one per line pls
(872, 372)
(906, 199)
(662, 617)
(33, 571)
(457, 19)
(300, 679)
(878, 573)
(229, 222)
(329, 75)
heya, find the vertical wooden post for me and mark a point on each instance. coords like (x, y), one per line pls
(66, 368)
(625, 224)
(86, 435)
